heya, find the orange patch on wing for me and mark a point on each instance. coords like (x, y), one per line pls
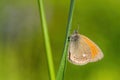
(92, 46)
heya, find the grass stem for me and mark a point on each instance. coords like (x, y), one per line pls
(47, 41)
(61, 71)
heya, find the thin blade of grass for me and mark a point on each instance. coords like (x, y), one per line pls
(61, 71)
(47, 41)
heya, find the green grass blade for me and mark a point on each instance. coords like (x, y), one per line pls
(47, 42)
(60, 74)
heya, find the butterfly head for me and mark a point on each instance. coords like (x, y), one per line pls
(75, 36)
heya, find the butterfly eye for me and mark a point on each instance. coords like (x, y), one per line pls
(69, 38)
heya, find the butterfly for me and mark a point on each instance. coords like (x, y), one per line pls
(82, 50)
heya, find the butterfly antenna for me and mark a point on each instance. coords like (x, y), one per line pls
(76, 30)
(78, 27)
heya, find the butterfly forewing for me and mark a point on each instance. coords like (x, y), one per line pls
(95, 50)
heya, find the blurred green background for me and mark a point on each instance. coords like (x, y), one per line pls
(22, 50)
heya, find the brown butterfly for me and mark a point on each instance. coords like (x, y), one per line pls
(82, 50)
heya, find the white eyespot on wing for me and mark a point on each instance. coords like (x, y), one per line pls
(84, 55)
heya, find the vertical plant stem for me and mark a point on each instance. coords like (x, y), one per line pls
(47, 42)
(61, 71)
